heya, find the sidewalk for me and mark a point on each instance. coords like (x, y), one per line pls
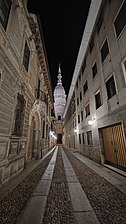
(116, 179)
(14, 181)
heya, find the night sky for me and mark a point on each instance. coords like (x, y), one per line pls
(63, 25)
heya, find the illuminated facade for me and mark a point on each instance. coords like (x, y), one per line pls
(25, 89)
(59, 106)
(95, 113)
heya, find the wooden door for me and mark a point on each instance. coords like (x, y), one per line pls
(115, 145)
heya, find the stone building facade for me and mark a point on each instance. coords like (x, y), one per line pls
(25, 89)
(99, 87)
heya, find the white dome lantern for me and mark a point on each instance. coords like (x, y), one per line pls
(59, 97)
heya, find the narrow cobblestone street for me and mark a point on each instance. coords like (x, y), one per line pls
(52, 193)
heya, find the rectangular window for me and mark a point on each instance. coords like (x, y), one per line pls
(5, 6)
(26, 56)
(104, 50)
(43, 130)
(80, 96)
(46, 131)
(87, 110)
(19, 115)
(83, 138)
(85, 87)
(99, 23)
(79, 138)
(98, 100)
(81, 115)
(124, 68)
(120, 21)
(110, 86)
(89, 138)
(94, 70)
(78, 118)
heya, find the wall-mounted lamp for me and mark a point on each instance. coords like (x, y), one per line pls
(75, 130)
(52, 134)
(90, 122)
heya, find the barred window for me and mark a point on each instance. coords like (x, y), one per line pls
(89, 138)
(19, 115)
(26, 57)
(5, 6)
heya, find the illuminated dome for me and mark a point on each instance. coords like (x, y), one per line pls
(59, 98)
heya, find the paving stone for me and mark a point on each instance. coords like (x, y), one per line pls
(42, 188)
(78, 198)
(72, 179)
(88, 217)
(34, 211)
